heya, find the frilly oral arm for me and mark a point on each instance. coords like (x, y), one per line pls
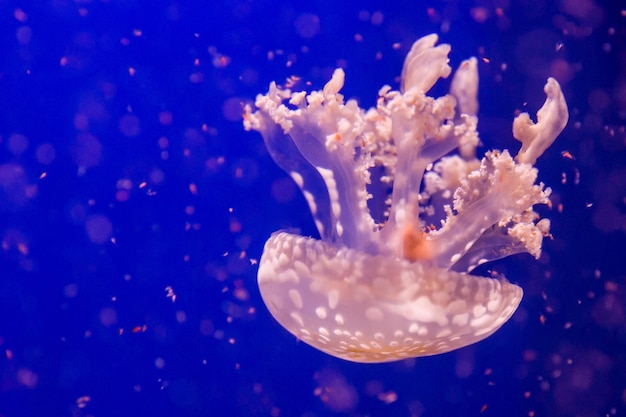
(464, 89)
(497, 242)
(425, 129)
(285, 153)
(498, 190)
(551, 120)
(425, 64)
(323, 130)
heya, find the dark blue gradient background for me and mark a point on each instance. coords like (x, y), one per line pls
(124, 170)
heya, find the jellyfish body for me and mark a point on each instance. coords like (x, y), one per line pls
(379, 287)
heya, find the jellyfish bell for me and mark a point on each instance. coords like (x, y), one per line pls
(379, 291)
(377, 308)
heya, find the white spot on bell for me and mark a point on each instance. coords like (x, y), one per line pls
(295, 297)
(321, 313)
(333, 299)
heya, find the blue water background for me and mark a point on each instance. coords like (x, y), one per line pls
(125, 170)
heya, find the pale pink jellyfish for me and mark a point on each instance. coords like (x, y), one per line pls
(399, 286)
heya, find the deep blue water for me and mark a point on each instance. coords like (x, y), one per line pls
(125, 170)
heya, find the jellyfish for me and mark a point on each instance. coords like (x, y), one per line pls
(405, 211)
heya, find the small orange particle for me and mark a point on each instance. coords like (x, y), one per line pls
(483, 408)
(82, 401)
(139, 329)
(170, 293)
(22, 248)
(292, 81)
(235, 226)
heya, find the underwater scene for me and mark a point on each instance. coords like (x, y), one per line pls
(311, 209)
